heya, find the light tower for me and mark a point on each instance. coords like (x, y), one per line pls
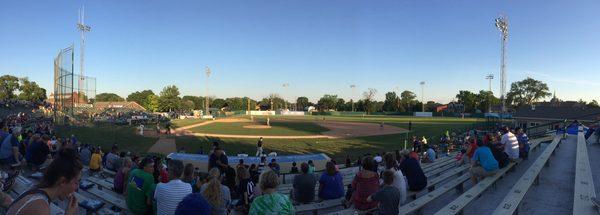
(422, 96)
(489, 78)
(83, 29)
(352, 87)
(285, 86)
(502, 25)
(206, 102)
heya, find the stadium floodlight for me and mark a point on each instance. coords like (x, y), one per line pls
(83, 29)
(422, 96)
(353, 87)
(502, 26)
(206, 102)
(285, 86)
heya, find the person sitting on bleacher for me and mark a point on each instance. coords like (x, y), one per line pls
(168, 195)
(59, 183)
(431, 155)
(483, 163)
(193, 204)
(511, 144)
(523, 143)
(412, 170)
(217, 195)
(294, 169)
(111, 158)
(274, 166)
(96, 160)
(364, 184)
(311, 167)
(245, 188)
(85, 154)
(388, 196)
(399, 182)
(140, 187)
(9, 148)
(331, 183)
(270, 202)
(304, 186)
(37, 151)
(119, 182)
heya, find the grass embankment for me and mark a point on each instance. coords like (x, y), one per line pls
(105, 135)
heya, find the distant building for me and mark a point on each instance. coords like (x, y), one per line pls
(534, 115)
(119, 105)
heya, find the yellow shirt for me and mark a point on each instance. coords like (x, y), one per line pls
(95, 161)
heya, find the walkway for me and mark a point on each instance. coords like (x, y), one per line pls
(163, 146)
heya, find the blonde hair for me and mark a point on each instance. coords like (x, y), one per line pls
(212, 193)
(268, 180)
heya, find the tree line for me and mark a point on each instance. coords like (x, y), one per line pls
(12, 87)
(524, 92)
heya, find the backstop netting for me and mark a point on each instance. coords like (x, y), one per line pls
(63, 98)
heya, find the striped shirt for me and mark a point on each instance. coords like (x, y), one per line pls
(168, 195)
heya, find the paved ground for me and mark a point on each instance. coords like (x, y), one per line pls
(163, 146)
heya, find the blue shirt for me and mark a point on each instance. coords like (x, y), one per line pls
(486, 158)
(431, 154)
(193, 203)
(333, 186)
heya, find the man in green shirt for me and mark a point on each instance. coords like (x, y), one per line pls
(140, 188)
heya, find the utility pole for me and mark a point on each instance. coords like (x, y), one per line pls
(422, 96)
(353, 87)
(502, 25)
(489, 78)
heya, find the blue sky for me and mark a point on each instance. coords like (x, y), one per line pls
(318, 47)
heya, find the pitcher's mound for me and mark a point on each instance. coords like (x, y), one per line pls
(257, 126)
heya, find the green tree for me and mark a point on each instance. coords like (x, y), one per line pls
(109, 97)
(392, 102)
(152, 103)
(8, 85)
(327, 102)
(431, 106)
(340, 105)
(486, 99)
(140, 97)
(369, 100)
(197, 100)
(273, 102)
(218, 103)
(302, 103)
(527, 91)
(237, 103)
(31, 91)
(468, 99)
(593, 104)
(408, 100)
(169, 99)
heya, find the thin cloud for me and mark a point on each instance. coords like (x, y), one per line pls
(561, 79)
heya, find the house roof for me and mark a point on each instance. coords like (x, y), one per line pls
(558, 113)
(129, 105)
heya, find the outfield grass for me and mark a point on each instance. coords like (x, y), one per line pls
(277, 128)
(105, 135)
(335, 148)
(177, 123)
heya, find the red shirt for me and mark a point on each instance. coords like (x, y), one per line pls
(473, 148)
(363, 188)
